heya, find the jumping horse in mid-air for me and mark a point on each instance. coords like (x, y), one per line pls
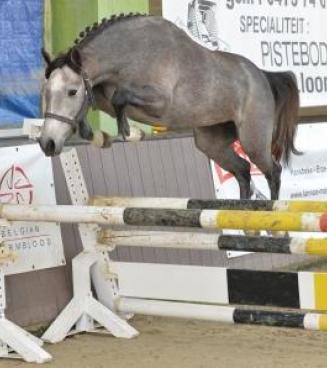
(147, 69)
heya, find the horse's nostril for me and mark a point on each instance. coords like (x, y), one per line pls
(50, 147)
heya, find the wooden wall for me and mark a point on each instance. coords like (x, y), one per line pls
(155, 7)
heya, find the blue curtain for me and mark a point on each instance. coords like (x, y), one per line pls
(21, 35)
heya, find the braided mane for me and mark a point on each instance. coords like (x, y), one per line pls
(91, 31)
(84, 37)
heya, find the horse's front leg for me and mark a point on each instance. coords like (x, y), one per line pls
(120, 99)
(85, 130)
(144, 103)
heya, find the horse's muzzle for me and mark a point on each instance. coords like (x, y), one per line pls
(48, 146)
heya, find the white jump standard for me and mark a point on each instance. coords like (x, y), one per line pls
(14, 341)
(89, 266)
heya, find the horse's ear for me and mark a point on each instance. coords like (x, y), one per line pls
(75, 57)
(46, 56)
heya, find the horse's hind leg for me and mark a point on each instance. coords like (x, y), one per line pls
(256, 137)
(275, 180)
(215, 142)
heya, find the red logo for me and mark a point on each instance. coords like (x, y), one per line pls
(225, 175)
(15, 187)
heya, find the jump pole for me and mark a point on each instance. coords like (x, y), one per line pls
(216, 204)
(212, 241)
(227, 314)
(206, 219)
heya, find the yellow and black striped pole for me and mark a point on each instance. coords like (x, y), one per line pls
(267, 244)
(226, 219)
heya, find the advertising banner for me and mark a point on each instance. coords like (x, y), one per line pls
(276, 35)
(305, 178)
(26, 177)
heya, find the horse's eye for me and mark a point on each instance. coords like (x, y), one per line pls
(72, 92)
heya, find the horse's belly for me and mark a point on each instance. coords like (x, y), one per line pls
(142, 116)
(201, 107)
(194, 117)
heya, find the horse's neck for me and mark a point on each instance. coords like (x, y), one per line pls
(111, 50)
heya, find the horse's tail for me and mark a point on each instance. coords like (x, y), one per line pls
(286, 94)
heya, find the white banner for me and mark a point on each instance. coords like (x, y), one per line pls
(274, 34)
(306, 178)
(26, 177)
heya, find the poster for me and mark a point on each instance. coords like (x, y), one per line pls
(305, 178)
(26, 177)
(276, 35)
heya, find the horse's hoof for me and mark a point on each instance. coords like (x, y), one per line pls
(136, 134)
(101, 139)
(107, 141)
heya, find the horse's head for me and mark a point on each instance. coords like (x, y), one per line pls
(66, 102)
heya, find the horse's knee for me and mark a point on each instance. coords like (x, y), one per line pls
(101, 139)
(85, 130)
(200, 139)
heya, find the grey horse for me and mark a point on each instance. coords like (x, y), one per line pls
(147, 69)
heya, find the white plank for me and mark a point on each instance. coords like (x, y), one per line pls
(172, 282)
(177, 310)
(306, 290)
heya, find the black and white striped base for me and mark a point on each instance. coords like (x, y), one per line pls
(227, 314)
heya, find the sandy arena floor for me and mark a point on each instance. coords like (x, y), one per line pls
(170, 343)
